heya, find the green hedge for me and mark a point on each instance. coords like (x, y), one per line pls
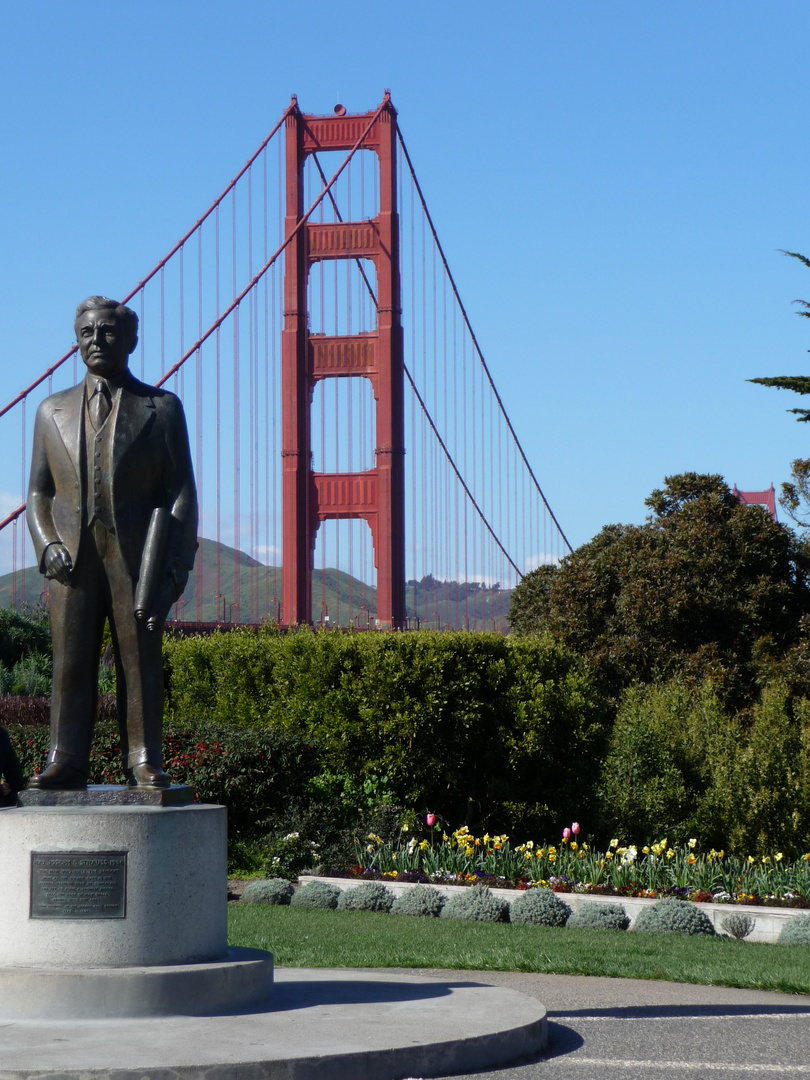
(477, 727)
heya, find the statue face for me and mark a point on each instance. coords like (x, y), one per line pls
(103, 342)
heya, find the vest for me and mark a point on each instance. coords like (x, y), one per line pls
(98, 465)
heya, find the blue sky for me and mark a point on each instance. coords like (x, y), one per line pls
(611, 182)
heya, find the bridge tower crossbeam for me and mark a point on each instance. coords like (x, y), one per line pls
(375, 495)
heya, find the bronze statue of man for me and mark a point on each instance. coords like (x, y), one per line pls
(111, 502)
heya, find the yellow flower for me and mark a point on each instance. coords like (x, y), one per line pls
(530, 844)
(552, 858)
(574, 845)
(614, 843)
(670, 853)
(486, 838)
(539, 854)
(498, 845)
(778, 856)
(423, 845)
(552, 850)
(751, 859)
(646, 850)
(765, 859)
(445, 837)
(692, 843)
(806, 858)
(469, 851)
(608, 855)
(404, 828)
(528, 854)
(692, 860)
(477, 842)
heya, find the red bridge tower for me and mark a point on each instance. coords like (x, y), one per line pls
(376, 495)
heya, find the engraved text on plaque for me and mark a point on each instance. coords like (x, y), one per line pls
(78, 884)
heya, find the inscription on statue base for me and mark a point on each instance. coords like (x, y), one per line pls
(78, 884)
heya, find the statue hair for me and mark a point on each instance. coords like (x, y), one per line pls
(127, 316)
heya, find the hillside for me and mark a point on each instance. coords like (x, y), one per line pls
(345, 599)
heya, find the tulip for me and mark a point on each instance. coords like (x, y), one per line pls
(430, 820)
(566, 834)
(575, 828)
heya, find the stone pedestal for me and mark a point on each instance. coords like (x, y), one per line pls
(119, 910)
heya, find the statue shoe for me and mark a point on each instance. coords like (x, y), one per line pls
(60, 777)
(146, 775)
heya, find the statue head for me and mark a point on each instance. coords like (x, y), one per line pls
(107, 332)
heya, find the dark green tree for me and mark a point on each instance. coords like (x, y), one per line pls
(799, 384)
(706, 588)
(795, 497)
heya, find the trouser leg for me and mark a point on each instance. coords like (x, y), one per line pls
(139, 665)
(77, 621)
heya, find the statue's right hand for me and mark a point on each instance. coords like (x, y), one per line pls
(58, 563)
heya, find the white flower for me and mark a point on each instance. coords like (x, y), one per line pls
(291, 836)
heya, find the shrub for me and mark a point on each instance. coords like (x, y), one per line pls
(539, 907)
(594, 916)
(738, 925)
(674, 916)
(796, 931)
(288, 855)
(274, 890)
(477, 904)
(421, 900)
(462, 722)
(370, 896)
(316, 894)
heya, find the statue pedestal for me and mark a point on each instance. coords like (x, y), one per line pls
(119, 910)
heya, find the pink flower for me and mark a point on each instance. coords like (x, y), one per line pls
(430, 820)
(566, 834)
(575, 828)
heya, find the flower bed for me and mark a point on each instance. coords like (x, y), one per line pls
(652, 872)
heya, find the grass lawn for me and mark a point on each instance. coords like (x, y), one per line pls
(305, 938)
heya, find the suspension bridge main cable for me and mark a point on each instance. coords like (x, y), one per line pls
(474, 338)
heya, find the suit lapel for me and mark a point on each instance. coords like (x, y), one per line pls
(68, 420)
(136, 410)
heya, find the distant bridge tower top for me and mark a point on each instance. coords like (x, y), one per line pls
(766, 499)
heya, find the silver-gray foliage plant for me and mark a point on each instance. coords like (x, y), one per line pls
(274, 890)
(316, 894)
(539, 907)
(738, 925)
(421, 900)
(796, 931)
(370, 896)
(593, 916)
(477, 904)
(674, 916)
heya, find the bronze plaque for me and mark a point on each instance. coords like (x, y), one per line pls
(78, 884)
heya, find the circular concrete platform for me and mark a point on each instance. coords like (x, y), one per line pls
(324, 1024)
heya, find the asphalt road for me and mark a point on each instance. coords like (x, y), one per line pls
(626, 1029)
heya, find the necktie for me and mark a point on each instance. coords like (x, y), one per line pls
(99, 405)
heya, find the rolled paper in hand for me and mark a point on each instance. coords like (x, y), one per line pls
(153, 563)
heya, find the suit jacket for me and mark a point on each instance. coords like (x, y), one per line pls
(151, 467)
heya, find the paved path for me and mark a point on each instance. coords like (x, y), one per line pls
(629, 1029)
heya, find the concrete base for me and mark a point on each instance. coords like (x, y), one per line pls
(323, 1025)
(242, 981)
(175, 909)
